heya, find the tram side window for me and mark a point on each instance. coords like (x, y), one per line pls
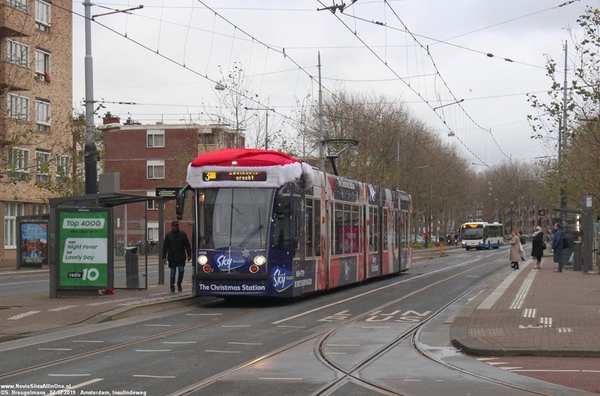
(352, 239)
(309, 227)
(373, 229)
(385, 228)
(397, 232)
(298, 226)
(338, 225)
(316, 233)
(281, 223)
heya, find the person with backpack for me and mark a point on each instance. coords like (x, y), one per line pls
(537, 247)
(557, 246)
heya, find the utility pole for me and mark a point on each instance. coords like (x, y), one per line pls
(562, 139)
(90, 150)
(321, 132)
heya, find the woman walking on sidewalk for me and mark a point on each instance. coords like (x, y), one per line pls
(538, 246)
(515, 250)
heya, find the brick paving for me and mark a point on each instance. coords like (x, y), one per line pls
(539, 313)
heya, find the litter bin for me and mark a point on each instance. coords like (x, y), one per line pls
(577, 260)
(131, 267)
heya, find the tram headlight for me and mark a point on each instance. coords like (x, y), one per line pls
(260, 260)
(202, 259)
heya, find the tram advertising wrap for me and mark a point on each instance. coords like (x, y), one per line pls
(269, 225)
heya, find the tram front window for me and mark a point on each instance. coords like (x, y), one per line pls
(235, 217)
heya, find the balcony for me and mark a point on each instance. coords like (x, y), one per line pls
(15, 22)
(15, 78)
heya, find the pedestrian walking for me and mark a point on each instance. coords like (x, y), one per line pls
(515, 250)
(176, 249)
(522, 241)
(557, 246)
(538, 246)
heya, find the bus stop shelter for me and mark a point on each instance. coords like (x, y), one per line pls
(81, 243)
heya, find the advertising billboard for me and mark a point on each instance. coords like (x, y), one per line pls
(33, 243)
(84, 248)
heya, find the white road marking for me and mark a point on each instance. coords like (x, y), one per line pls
(23, 283)
(152, 350)
(244, 343)
(510, 368)
(62, 391)
(62, 308)
(23, 315)
(519, 299)
(71, 375)
(280, 379)
(216, 351)
(486, 359)
(235, 326)
(496, 363)
(89, 341)
(154, 376)
(157, 325)
(292, 327)
(180, 342)
(564, 330)
(373, 291)
(343, 345)
(54, 349)
(412, 380)
(529, 313)
(336, 353)
(204, 314)
(546, 322)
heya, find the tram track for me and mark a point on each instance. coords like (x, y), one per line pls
(121, 345)
(320, 338)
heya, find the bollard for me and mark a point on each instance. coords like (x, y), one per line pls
(577, 259)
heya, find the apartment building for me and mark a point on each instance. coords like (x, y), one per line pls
(35, 109)
(148, 157)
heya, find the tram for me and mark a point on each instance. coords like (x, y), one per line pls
(269, 225)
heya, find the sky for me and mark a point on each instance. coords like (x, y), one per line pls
(161, 62)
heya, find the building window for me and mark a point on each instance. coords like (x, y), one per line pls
(42, 166)
(17, 53)
(19, 4)
(63, 168)
(18, 162)
(11, 211)
(39, 209)
(42, 116)
(156, 169)
(156, 138)
(151, 205)
(18, 107)
(42, 65)
(42, 15)
(152, 231)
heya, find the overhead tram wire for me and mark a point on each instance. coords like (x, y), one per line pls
(408, 85)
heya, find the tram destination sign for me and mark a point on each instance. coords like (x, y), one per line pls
(235, 176)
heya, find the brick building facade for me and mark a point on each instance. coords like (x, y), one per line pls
(151, 156)
(35, 108)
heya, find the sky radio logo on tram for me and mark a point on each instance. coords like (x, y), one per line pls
(226, 262)
(282, 278)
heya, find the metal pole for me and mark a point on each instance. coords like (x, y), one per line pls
(90, 153)
(321, 132)
(267, 130)
(563, 139)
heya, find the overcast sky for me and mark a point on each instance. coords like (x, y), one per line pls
(165, 59)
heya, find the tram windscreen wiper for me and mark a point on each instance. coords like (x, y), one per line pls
(251, 235)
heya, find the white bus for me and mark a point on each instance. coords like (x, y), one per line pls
(481, 235)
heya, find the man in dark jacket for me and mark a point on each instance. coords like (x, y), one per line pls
(176, 249)
(557, 246)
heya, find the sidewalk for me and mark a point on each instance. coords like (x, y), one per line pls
(24, 315)
(533, 313)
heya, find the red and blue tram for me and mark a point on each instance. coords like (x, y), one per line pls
(267, 224)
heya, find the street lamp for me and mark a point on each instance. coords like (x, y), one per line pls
(266, 123)
(90, 150)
